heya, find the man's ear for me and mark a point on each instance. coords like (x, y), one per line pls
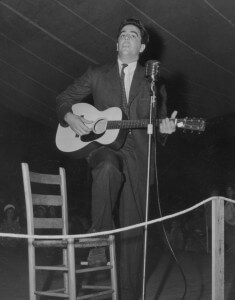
(117, 47)
(142, 47)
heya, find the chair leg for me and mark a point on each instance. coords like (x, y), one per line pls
(113, 270)
(31, 268)
(71, 270)
(65, 274)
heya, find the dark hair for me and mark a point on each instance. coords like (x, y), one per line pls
(143, 31)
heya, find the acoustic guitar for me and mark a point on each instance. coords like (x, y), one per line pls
(108, 128)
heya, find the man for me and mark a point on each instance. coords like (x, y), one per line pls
(119, 175)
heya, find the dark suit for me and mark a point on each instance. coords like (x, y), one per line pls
(118, 174)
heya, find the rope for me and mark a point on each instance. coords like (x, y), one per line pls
(108, 232)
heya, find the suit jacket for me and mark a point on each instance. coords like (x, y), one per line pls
(104, 83)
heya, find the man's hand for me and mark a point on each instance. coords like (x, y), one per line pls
(168, 126)
(77, 123)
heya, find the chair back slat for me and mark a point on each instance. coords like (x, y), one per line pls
(44, 178)
(52, 200)
(36, 199)
(48, 223)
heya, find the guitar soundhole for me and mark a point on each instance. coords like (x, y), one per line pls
(91, 137)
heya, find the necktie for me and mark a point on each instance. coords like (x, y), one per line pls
(124, 99)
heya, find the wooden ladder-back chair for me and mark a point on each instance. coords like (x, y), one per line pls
(69, 266)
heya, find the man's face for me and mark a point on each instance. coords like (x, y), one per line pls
(129, 43)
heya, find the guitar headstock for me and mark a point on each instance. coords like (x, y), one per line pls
(192, 124)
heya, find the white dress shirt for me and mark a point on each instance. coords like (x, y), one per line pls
(129, 72)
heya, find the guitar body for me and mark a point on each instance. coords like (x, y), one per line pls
(68, 141)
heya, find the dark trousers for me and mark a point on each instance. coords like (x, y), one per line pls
(109, 182)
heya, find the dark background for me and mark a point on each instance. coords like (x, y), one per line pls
(44, 45)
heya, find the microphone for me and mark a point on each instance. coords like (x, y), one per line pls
(152, 69)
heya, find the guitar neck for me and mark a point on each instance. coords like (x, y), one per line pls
(131, 124)
(192, 124)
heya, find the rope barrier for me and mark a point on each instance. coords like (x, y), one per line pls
(108, 232)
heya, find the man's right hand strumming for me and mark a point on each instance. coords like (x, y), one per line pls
(77, 123)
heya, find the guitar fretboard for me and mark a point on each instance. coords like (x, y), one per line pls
(128, 124)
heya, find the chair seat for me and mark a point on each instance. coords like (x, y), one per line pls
(50, 243)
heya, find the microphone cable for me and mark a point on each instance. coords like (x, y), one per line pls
(160, 212)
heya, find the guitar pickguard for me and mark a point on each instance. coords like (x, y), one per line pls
(91, 137)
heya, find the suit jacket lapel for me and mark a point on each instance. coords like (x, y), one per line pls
(113, 79)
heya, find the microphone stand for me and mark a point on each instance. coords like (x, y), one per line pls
(150, 130)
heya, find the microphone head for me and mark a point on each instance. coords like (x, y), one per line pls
(152, 69)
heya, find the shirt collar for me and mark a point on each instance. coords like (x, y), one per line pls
(131, 66)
